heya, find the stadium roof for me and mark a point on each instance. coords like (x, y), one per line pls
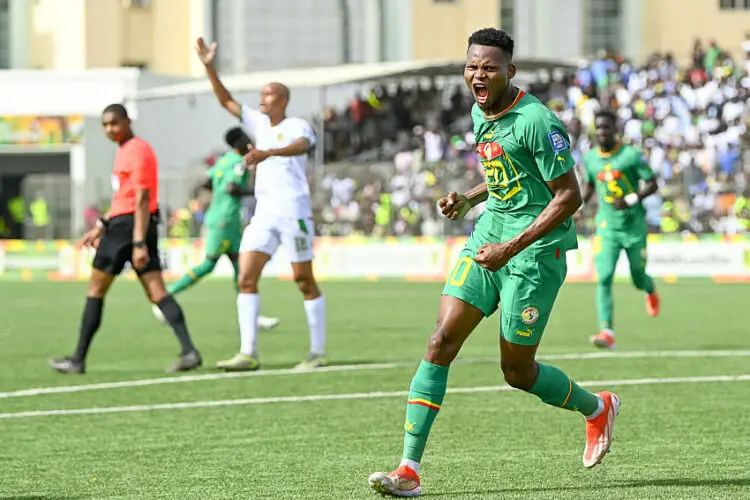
(335, 75)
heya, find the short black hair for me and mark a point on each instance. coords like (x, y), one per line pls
(606, 113)
(237, 139)
(118, 109)
(492, 37)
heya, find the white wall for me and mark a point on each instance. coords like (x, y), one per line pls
(548, 29)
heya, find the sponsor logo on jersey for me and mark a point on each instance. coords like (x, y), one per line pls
(607, 174)
(489, 150)
(558, 141)
(529, 315)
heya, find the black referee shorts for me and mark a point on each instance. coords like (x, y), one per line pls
(116, 246)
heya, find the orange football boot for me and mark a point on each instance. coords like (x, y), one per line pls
(604, 339)
(402, 482)
(652, 304)
(599, 430)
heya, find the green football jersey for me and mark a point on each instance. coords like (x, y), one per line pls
(225, 208)
(615, 175)
(521, 149)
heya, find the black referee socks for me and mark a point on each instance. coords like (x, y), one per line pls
(92, 318)
(173, 314)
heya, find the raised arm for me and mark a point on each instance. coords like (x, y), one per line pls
(207, 54)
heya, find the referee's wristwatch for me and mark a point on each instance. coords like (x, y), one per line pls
(139, 243)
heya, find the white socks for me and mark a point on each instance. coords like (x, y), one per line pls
(316, 322)
(410, 464)
(248, 311)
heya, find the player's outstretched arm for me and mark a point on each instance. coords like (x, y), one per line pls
(565, 202)
(207, 54)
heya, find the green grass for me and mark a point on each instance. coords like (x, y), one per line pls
(681, 441)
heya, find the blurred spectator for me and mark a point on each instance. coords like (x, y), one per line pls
(393, 151)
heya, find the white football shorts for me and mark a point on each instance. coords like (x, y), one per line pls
(265, 235)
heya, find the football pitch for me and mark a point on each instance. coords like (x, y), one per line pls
(128, 430)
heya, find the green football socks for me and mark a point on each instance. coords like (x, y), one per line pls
(604, 304)
(425, 397)
(192, 277)
(557, 389)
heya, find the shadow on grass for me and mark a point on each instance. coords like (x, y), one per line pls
(660, 483)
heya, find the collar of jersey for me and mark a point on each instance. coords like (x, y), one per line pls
(520, 94)
(602, 154)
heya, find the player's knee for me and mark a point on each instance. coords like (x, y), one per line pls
(96, 290)
(247, 282)
(98, 285)
(210, 263)
(440, 349)
(606, 279)
(519, 376)
(307, 285)
(153, 284)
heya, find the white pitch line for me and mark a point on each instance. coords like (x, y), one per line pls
(356, 395)
(359, 367)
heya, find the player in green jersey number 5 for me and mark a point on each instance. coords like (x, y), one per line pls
(515, 257)
(615, 171)
(227, 180)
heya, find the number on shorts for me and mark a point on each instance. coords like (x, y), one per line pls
(300, 244)
(461, 271)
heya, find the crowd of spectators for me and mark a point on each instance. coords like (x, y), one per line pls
(391, 153)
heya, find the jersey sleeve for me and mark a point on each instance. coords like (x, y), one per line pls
(143, 164)
(549, 143)
(251, 119)
(642, 168)
(302, 129)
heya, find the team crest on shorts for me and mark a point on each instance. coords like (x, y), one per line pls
(529, 315)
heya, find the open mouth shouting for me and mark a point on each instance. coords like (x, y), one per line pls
(481, 92)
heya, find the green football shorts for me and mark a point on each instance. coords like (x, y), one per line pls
(607, 246)
(526, 288)
(220, 241)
